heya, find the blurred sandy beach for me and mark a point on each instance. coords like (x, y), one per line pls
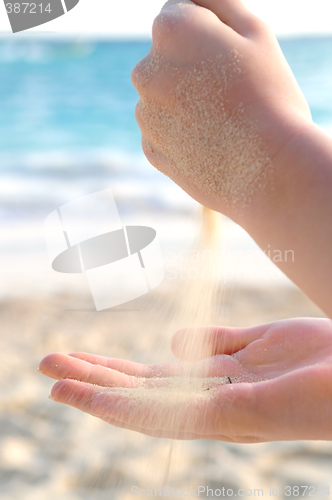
(67, 129)
(51, 451)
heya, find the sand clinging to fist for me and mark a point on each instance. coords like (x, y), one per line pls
(208, 140)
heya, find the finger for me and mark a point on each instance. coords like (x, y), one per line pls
(162, 163)
(152, 153)
(130, 367)
(149, 76)
(131, 410)
(234, 14)
(155, 411)
(184, 34)
(229, 413)
(80, 396)
(60, 366)
(121, 365)
(220, 366)
(141, 112)
(148, 419)
(191, 344)
(75, 393)
(154, 156)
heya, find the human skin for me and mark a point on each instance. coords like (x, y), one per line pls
(289, 396)
(283, 369)
(292, 209)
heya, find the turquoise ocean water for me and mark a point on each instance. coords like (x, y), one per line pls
(67, 123)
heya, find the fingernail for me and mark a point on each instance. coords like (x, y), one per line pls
(51, 397)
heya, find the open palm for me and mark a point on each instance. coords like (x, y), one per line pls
(281, 388)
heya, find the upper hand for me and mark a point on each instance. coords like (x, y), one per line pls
(217, 102)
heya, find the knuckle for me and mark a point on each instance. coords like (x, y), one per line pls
(169, 25)
(140, 73)
(257, 27)
(137, 114)
(138, 117)
(135, 76)
(148, 150)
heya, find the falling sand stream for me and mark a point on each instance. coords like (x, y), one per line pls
(210, 143)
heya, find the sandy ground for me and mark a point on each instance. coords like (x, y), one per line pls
(49, 451)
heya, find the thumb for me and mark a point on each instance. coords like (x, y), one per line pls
(193, 344)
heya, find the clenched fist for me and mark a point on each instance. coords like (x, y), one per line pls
(217, 102)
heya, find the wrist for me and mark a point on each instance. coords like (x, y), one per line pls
(294, 213)
(287, 172)
(299, 178)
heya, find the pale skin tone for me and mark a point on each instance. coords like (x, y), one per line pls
(283, 368)
(294, 209)
(293, 401)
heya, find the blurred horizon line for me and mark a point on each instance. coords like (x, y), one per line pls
(128, 37)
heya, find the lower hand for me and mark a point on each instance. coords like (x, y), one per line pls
(281, 388)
